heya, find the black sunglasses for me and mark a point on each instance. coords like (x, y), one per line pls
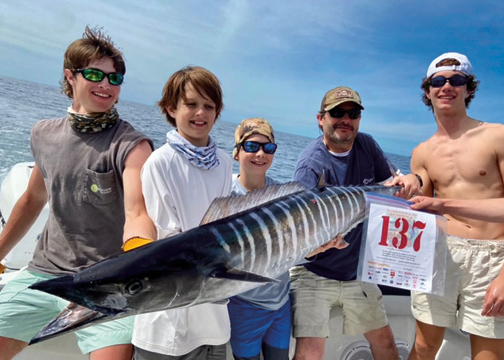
(455, 80)
(254, 146)
(96, 75)
(339, 113)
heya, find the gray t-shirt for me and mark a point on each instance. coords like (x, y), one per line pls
(271, 296)
(83, 178)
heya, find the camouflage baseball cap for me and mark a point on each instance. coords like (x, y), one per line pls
(252, 126)
(338, 96)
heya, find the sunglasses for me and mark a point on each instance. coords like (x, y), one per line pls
(253, 147)
(339, 113)
(96, 75)
(455, 80)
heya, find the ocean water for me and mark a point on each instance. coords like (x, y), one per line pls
(23, 103)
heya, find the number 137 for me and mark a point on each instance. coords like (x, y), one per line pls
(403, 226)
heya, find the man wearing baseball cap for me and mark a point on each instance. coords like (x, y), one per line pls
(344, 156)
(463, 164)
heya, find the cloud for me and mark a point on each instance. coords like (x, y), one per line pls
(275, 59)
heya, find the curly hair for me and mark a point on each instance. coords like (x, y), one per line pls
(472, 84)
(94, 45)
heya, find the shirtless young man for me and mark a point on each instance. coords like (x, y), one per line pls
(463, 161)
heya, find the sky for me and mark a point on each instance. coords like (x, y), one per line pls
(276, 59)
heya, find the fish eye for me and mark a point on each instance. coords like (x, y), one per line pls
(133, 287)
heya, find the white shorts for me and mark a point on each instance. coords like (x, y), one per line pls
(471, 266)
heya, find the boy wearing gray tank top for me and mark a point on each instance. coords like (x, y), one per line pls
(94, 193)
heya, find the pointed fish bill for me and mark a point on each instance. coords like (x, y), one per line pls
(243, 242)
(71, 318)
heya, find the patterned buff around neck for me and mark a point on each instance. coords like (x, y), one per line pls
(92, 123)
(202, 157)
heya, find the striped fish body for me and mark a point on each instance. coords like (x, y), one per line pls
(206, 264)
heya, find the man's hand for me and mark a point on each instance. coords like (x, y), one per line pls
(427, 203)
(336, 243)
(410, 186)
(494, 298)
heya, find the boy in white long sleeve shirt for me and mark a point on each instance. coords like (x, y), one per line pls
(180, 180)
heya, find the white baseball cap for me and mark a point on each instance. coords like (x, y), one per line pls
(465, 66)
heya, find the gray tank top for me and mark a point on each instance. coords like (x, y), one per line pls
(83, 177)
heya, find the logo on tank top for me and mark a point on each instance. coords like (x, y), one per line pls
(95, 188)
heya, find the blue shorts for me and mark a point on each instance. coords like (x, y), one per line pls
(253, 328)
(24, 312)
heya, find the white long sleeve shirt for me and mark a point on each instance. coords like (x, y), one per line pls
(177, 195)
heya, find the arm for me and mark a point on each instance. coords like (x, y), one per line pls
(156, 189)
(417, 166)
(491, 210)
(306, 177)
(387, 174)
(24, 213)
(410, 185)
(337, 243)
(138, 223)
(494, 297)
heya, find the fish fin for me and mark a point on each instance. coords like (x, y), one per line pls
(321, 181)
(234, 274)
(226, 206)
(221, 302)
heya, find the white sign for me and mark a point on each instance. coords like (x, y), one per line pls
(400, 247)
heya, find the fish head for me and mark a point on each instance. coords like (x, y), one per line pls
(123, 285)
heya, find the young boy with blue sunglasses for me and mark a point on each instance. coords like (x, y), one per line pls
(260, 318)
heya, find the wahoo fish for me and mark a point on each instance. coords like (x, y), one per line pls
(242, 242)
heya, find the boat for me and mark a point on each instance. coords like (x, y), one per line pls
(13, 186)
(456, 345)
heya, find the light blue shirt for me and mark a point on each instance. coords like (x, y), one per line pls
(271, 296)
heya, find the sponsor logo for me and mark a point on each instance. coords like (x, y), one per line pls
(343, 94)
(95, 188)
(367, 181)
